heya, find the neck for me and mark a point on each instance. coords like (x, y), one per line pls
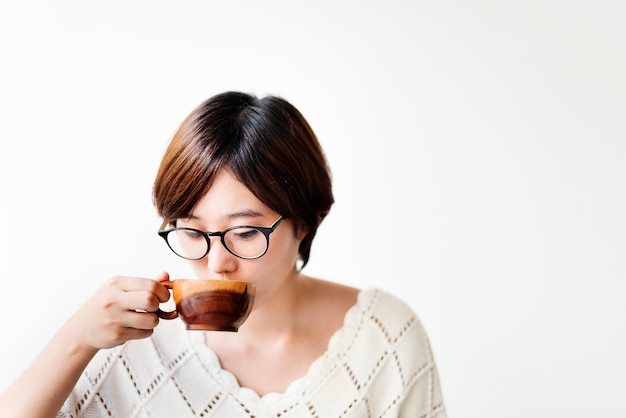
(281, 312)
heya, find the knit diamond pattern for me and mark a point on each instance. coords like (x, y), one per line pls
(378, 365)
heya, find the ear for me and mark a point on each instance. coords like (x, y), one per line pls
(301, 232)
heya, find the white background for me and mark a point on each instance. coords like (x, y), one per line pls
(478, 149)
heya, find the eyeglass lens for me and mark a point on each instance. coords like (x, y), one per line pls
(192, 244)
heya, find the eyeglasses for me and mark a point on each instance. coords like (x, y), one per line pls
(247, 242)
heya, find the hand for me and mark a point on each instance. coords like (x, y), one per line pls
(123, 309)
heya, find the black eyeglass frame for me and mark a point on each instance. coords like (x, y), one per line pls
(266, 231)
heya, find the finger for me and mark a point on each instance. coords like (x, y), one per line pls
(162, 277)
(136, 284)
(137, 334)
(133, 334)
(139, 301)
(130, 284)
(140, 320)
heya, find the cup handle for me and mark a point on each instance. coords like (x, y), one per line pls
(165, 314)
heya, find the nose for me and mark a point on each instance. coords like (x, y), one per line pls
(219, 259)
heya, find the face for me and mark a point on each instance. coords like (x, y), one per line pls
(229, 203)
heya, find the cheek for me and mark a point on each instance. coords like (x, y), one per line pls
(277, 264)
(284, 249)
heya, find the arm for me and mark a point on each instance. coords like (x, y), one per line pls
(109, 318)
(423, 397)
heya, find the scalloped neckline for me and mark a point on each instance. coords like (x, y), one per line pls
(314, 373)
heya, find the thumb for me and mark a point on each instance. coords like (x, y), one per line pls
(162, 277)
(162, 293)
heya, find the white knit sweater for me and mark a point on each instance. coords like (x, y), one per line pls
(379, 364)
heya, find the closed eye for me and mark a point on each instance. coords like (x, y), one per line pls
(244, 233)
(192, 234)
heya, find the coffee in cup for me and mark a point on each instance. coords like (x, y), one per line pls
(210, 305)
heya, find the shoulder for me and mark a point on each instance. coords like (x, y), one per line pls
(385, 308)
(390, 356)
(393, 324)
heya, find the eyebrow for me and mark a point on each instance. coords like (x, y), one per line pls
(248, 213)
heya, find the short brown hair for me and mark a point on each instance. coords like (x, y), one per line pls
(265, 143)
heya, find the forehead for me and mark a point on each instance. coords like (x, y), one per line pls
(228, 198)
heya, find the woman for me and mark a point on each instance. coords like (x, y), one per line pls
(310, 348)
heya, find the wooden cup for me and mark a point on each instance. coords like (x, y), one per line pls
(210, 305)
